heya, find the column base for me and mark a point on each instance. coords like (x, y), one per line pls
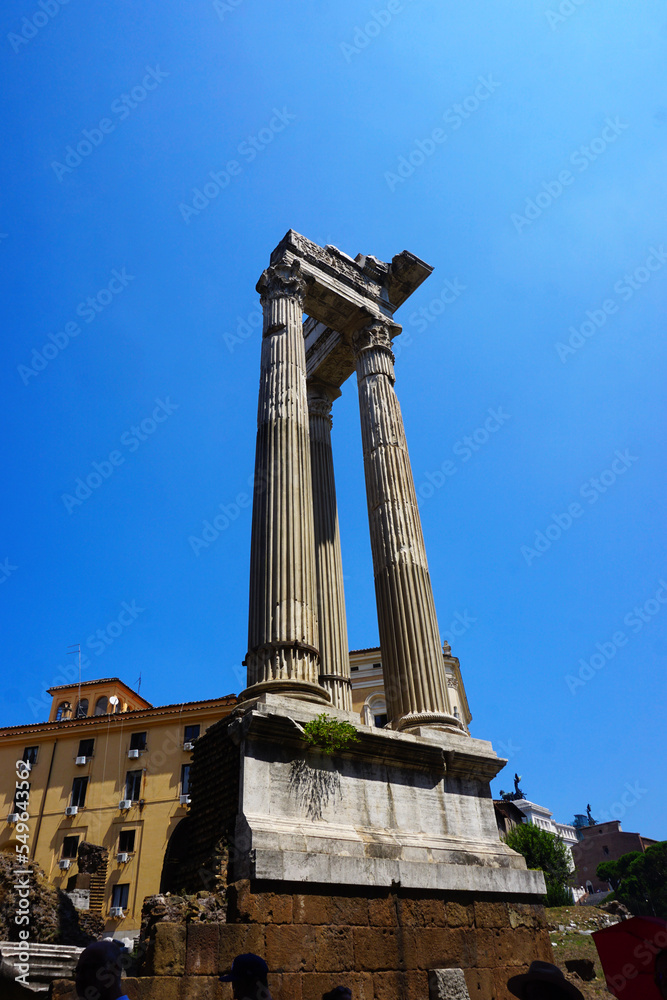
(433, 720)
(301, 690)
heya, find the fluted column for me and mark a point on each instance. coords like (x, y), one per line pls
(334, 653)
(283, 653)
(412, 661)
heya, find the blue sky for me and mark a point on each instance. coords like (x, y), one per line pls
(517, 148)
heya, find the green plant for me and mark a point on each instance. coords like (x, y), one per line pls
(328, 734)
(639, 880)
(546, 852)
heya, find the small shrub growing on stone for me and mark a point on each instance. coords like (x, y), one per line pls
(329, 735)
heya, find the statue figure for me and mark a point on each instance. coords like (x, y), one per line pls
(591, 821)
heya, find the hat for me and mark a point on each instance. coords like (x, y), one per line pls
(543, 972)
(246, 967)
(338, 993)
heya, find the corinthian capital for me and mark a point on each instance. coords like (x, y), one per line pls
(321, 396)
(282, 281)
(375, 336)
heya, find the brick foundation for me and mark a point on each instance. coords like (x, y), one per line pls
(381, 945)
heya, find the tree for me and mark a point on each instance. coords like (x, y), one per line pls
(640, 880)
(546, 852)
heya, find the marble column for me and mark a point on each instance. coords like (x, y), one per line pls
(412, 659)
(334, 653)
(283, 654)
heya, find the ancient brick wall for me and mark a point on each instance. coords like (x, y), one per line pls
(381, 944)
(214, 790)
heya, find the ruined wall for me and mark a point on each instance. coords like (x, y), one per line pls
(214, 790)
(381, 945)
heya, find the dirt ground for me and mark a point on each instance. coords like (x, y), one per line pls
(570, 929)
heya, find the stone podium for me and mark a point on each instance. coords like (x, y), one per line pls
(383, 862)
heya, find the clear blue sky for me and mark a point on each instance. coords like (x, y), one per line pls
(523, 156)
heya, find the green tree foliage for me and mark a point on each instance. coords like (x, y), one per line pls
(329, 735)
(546, 852)
(640, 880)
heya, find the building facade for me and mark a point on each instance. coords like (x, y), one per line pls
(603, 842)
(107, 769)
(368, 687)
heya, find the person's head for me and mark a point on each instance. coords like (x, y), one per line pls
(98, 971)
(338, 993)
(543, 981)
(660, 972)
(249, 978)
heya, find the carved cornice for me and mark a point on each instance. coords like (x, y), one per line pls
(282, 281)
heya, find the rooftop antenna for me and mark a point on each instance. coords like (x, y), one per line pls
(139, 684)
(76, 648)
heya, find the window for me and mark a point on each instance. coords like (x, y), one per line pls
(126, 841)
(138, 741)
(377, 666)
(352, 669)
(456, 712)
(82, 709)
(380, 720)
(70, 847)
(191, 734)
(185, 779)
(79, 786)
(102, 706)
(120, 894)
(64, 711)
(86, 748)
(30, 755)
(605, 850)
(133, 785)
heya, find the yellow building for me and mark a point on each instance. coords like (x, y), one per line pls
(109, 769)
(368, 686)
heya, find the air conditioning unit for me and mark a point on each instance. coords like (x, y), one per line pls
(71, 810)
(81, 760)
(117, 911)
(122, 858)
(188, 746)
(184, 800)
(125, 804)
(133, 754)
(64, 863)
(13, 818)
